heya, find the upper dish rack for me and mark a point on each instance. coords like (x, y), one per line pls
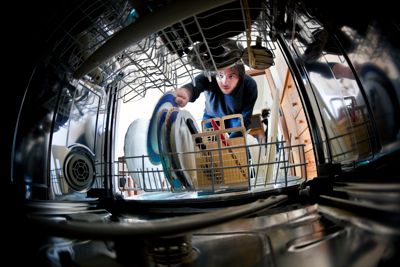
(115, 48)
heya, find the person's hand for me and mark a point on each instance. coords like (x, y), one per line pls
(182, 97)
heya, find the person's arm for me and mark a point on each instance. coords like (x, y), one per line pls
(251, 93)
(189, 92)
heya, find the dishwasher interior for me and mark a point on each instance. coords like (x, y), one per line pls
(106, 179)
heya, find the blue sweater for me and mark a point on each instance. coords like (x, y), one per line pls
(240, 101)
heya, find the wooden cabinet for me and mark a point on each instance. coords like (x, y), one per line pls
(297, 127)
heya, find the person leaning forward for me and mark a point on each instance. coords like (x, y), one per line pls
(230, 91)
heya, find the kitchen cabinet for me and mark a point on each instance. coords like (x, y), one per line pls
(297, 132)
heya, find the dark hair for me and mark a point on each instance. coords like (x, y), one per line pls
(239, 66)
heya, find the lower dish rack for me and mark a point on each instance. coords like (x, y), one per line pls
(218, 170)
(225, 160)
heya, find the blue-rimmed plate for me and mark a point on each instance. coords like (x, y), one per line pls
(167, 101)
(165, 151)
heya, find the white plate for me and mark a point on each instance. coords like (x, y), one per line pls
(167, 101)
(136, 156)
(182, 142)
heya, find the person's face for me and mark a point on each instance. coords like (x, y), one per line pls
(227, 80)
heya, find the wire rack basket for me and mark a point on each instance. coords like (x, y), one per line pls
(223, 170)
(166, 57)
(223, 161)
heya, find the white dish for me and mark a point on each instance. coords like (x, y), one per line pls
(182, 143)
(167, 101)
(136, 157)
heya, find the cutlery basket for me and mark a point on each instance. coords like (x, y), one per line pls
(221, 161)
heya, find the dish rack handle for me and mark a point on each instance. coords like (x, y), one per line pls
(206, 125)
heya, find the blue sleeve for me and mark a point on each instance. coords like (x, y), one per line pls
(250, 99)
(201, 84)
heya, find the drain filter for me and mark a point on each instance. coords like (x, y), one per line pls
(79, 170)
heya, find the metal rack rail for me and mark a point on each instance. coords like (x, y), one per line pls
(216, 171)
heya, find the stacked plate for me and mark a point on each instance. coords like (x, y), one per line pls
(170, 143)
(166, 102)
